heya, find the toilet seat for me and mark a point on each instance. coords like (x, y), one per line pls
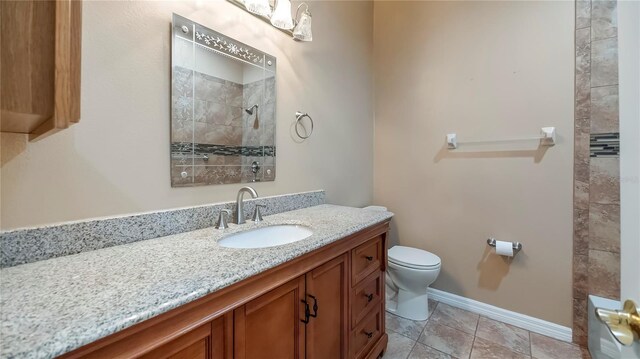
(413, 258)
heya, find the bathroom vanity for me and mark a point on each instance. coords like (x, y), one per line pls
(185, 296)
(326, 304)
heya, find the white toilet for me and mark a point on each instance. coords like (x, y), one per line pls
(409, 272)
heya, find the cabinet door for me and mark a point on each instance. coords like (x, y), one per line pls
(271, 326)
(327, 331)
(205, 342)
(40, 66)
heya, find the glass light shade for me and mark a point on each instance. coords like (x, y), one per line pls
(258, 7)
(302, 30)
(281, 17)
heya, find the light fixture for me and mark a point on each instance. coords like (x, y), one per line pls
(281, 17)
(258, 7)
(302, 31)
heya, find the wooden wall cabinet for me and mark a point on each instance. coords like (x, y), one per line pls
(325, 304)
(40, 66)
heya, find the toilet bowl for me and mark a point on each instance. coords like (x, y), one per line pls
(410, 271)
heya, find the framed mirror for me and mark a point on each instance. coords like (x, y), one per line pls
(223, 107)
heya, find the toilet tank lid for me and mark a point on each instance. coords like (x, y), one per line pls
(375, 208)
(412, 256)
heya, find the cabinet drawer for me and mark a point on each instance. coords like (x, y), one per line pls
(366, 334)
(365, 259)
(365, 296)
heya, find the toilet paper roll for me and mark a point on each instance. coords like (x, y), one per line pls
(504, 248)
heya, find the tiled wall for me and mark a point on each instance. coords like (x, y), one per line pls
(217, 113)
(262, 131)
(596, 247)
(219, 119)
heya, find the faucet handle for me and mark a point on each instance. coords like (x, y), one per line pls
(257, 216)
(222, 219)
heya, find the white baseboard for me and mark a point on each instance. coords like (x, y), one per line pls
(519, 320)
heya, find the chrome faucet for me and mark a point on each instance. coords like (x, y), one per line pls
(239, 211)
(222, 219)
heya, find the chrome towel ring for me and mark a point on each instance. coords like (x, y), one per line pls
(299, 117)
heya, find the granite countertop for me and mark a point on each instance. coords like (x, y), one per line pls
(53, 306)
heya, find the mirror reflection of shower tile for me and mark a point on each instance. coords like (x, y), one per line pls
(232, 160)
(222, 135)
(218, 174)
(181, 108)
(211, 90)
(233, 92)
(268, 161)
(270, 90)
(182, 82)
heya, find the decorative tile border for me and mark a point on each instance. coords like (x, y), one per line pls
(188, 148)
(605, 145)
(34, 244)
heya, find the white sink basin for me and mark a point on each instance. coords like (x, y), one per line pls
(266, 236)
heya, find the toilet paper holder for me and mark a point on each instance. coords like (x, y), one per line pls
(517, 246)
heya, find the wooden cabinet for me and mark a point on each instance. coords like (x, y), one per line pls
(40, 65)
(365, 296)
(367, 300)
(272, 326)
(193, 345)
(328, 303)
(291, 322)
(327, 290)
(366, 259)
(366, 334)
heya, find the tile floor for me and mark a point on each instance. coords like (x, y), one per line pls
(455, 333)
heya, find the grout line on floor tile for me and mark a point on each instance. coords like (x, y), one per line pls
(457, 329)
(477, 325)
(411, 351)
(403, 334)
(423, 329)
(472, 345)
(406, 336)
(439, 351)
(505, 346)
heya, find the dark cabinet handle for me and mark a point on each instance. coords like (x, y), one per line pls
(315, 306)
(369, 258)
(369, 297)
(368, 334)
(307, 313)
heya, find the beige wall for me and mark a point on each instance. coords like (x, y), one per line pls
(116, 160)
(482, 70)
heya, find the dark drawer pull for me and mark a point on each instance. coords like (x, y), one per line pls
(368, 334)
(369, 297)
(307, 312)
(315, 306)
(369, 258)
